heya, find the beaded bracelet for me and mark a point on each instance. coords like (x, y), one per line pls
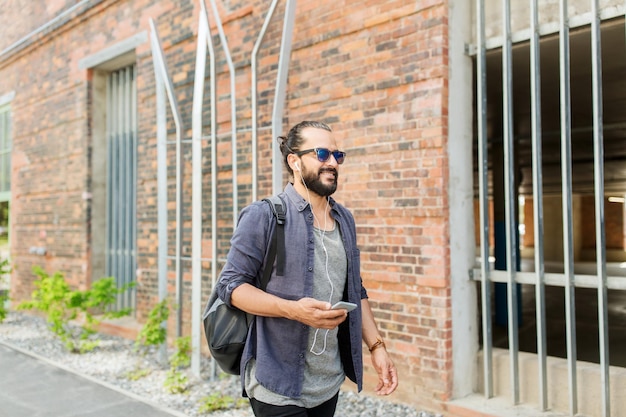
(379, 343)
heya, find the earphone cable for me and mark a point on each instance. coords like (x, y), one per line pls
(332, 288)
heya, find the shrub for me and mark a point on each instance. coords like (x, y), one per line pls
(54, 297)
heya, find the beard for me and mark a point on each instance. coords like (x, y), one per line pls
(313, 182)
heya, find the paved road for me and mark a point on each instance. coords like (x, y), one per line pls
(32, 387)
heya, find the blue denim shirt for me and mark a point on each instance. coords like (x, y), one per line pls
(279, 344)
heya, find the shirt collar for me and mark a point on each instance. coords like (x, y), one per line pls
(298, 201)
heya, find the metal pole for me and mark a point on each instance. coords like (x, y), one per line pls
(483, 169)
(128, 184)
(598, 156)
(540, 298)
(255, 51)
(165, 81)
(196, 191)
(161, 117)
(566, 174)
(109, 204)
(233, 108)
(510, 198)
(133, 291)
(279, 96)
(117, 163)
(213, 92)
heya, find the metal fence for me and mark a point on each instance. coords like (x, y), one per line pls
(511, 276)
(165, 95)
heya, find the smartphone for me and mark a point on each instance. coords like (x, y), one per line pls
(344, 305)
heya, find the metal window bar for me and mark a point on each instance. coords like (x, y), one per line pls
(483, 168)
(510, 198)
(124, 186)
(109, 183)
(566, 181)
(121, 189)
(5, 153)
(132, 191)
(598, 163)
(540, 298)
(568, 280)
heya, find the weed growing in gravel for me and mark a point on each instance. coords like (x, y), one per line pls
(5, 268)
(153, 333)
(137, 373)
(176, 381)
(217, 402)
(54, 297)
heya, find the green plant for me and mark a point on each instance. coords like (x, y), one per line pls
(153, 333)
(5, 268)
(54, 297)
(137, 374)
(216, 402)
(176, 381)
(181, 357)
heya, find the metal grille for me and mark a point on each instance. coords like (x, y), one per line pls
(121, 246)
(5, 153)
(502, 171)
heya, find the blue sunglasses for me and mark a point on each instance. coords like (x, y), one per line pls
(324, 154)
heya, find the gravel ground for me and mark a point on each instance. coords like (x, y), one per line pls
(112, 360)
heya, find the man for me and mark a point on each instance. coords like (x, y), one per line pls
(300, 350)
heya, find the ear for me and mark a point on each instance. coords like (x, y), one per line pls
(293, 162)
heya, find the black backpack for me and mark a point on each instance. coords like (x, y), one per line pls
(226, 328)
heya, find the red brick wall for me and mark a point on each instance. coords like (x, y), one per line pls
(375, 70)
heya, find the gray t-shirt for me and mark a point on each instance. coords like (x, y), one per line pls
(323, 373)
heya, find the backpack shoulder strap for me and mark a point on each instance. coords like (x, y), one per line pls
(278, 208)
(277, 246)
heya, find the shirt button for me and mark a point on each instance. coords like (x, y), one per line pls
(310, 268)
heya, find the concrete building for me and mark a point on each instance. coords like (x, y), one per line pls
(121, 163)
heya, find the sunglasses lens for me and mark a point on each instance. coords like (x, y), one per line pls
(322, 154)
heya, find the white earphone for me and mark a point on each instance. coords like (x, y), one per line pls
(297, 166)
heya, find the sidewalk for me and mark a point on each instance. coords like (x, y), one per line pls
(31, 386)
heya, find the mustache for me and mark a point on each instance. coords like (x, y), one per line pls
(329, 170)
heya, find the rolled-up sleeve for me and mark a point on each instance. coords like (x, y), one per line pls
(248, 247)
